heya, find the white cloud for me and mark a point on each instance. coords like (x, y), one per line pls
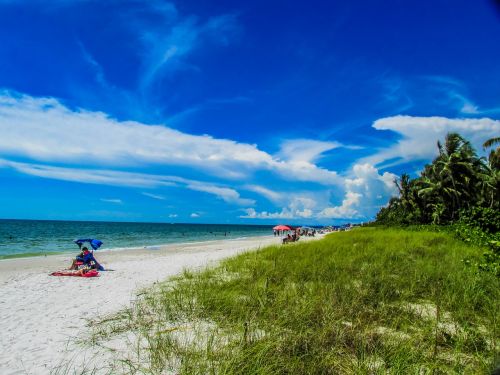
(154, 196)
(166, 46)
(45, 130)
(346, 210)
(252, 214)
(112, 200)
(305, 150)
(470, 108)
(420, 135)
(299, 207)
(92, 176)
(467, 107)
(307, 172)
(271, 195)
(194, 214)
(226, 194)
(365, 193)
(118, 178)
(172, 215)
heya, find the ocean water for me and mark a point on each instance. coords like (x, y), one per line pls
(33, 237)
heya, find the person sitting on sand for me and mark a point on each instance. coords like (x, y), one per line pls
(85, 259)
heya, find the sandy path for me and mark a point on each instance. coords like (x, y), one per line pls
(42, 315)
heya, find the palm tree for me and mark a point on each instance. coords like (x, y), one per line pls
(492, 179)
(494, 157)
(491, 142)
(455, 182)
(452, 182)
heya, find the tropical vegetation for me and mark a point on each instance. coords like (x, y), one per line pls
(456, 183)
(458, 189)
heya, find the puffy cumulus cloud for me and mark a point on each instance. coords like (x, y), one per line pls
(365, 193)
(420, 135)
(194, 215)
(118, 178)
(251, 213)
(302, 207)
(297, 157)
(344, 211)
(43, 129)
(299, 207)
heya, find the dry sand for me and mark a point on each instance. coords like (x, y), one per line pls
(42, 316)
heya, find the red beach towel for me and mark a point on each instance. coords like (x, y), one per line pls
(91, 273)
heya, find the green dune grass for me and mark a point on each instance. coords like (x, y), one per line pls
(368, 301)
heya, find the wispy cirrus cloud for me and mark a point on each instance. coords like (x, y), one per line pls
(395, 93)
(454, 93)
(305, 150)
(166, 44)
(154, 196)
(127, 179)
(112, 200)
(269, 194)
(226, 194)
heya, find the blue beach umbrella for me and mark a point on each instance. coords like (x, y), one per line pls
(95, 244)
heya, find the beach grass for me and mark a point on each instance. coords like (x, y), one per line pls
(367, 301)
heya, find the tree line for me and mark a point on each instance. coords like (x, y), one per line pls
(457, 185)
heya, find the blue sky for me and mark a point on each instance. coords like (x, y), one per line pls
(234, 112)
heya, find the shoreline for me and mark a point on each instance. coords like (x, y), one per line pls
(11, 265)
(42, 315)
(8, 257)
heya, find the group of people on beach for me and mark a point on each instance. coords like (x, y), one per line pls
(291, 237)
(295, 235)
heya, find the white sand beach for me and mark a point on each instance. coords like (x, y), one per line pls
(42, 316)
